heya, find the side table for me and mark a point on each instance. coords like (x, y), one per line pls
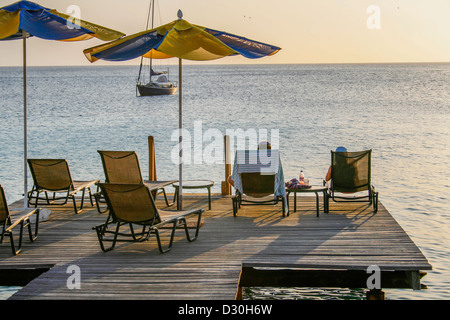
(316, 190)
(193, 184)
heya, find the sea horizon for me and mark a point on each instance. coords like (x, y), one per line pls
(221, 63)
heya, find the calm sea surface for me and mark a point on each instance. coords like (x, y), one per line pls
(400, 111)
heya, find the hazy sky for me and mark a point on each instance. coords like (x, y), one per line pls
(308, 31)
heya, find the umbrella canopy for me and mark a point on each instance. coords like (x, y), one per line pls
(23, 19)
(48, 24)
(182, 40)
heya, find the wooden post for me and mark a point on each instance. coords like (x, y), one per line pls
(239, 292)
(151, 159)
(375, 294)
(226, 187)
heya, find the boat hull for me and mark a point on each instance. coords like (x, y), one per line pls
(145, 90)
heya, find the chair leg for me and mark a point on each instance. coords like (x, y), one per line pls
(375, 202)
(11, 239)
(142, 235)
(82, 199)
(3, 232)
(81, 203)
(101, 234)
(30, 196)
(37, 198)
(283, 207)
(74, 204)
(24, 223)
(176, 198)
(158, 239)
(67, 197)
(98, 197)
(326, 202)
(199, 219)
(90, 197)
(165, 198)
(235, 206)
(36, 227)
(373, 197)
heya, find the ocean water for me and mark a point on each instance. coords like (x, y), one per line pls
(400, 111)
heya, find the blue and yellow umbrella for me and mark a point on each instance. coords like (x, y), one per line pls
(183, 40)
(24, 19)
(28, 17)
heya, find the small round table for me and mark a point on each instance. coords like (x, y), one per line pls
(193, 184)
(315, 189)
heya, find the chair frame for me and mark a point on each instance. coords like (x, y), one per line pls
(372, 195)
(22, 220)
(70, 190)
(238, 200)
(115, 155)
(153, 226)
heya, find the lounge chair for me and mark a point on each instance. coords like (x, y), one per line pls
(254, 186)
(53, 175)
(21, 219)
(123, 167)
(351, 178)
(133, 204)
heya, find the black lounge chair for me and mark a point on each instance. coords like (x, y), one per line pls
(258, 189)
(133, 204)
(258, 179)
(53, 175)
(351, 174)
(123, 167)
(21, 219)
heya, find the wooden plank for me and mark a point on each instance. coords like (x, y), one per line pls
(350, 237)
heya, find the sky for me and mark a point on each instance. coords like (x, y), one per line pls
(308, 31)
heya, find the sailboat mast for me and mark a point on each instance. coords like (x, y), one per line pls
(153, 18)
(150, 9)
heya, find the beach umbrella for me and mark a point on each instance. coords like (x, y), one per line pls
(24, 19)
(183, 40)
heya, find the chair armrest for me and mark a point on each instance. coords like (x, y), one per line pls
(23, 215)
(171, 216)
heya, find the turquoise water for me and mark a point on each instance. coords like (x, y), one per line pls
(6, 292)
(400, 111)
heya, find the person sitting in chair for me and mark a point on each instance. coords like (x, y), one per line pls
(338, 149)
(264, 145)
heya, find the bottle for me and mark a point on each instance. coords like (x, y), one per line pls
(302, 177)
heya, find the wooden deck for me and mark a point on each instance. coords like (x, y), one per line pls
(259, 247)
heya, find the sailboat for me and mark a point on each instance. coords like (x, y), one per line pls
(159, 83)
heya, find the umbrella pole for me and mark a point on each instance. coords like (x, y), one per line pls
(180, 138)
(25, 155)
